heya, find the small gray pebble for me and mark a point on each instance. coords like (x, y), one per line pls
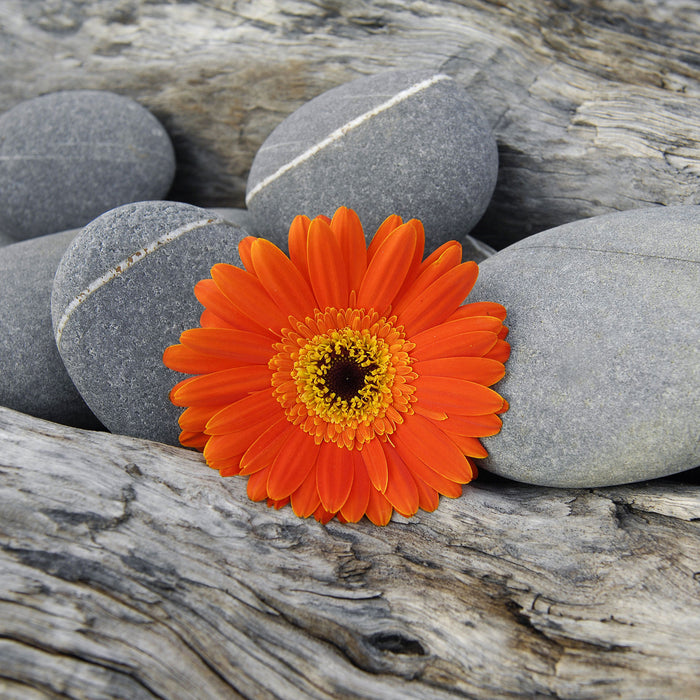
(67, 157)
(123, 292)
(411, 143)
(33, 379)
(604, 377)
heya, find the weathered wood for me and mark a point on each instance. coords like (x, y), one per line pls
(596, 106)
(130, 569)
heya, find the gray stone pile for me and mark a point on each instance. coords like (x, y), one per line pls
(603, 381)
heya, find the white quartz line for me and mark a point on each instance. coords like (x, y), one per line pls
(124, 265)
(349, 126)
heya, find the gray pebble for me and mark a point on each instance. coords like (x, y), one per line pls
(123, 292)
(410, 143)
(67, 157)
(604, 377)
(33, 379)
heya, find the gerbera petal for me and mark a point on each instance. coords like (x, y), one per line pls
(379, 510)
(469, 446)
(375, 461)
(282, 280)
(244, 248)
(216, 302)
(414, 268)
(264, 448)
(295, 459)
(356, 504)
(387, 226)
(426, 275)
(471, 426)
(196, 440)
(500, 351)
(298, 233)
(322, 515)
(231, 470)
(221, 447)
(244, 291)
(327, 268)
(195, 418)
(428, 498)
(436, 343)
(422, 438)
(244, 346)
(387, 270)
(252, 410)
(401, 489)
(452, 248)
(334, 475)
(423, 473)
(351, 238)
(474, 369)
(480, 308)
(257, 485)
(208, 319)
(305, 500)
(189, 361)
(440, 299)
(228, 385)
(457, 396)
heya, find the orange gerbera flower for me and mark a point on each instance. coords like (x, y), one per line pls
(346, 379)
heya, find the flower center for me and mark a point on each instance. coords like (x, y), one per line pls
(344, 376)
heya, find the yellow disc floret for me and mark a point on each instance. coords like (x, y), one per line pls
(344, 376)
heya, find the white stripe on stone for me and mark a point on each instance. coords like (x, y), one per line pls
(339, 133)
(124, 265)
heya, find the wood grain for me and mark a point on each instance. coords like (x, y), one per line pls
(130, 569)
(595, 105)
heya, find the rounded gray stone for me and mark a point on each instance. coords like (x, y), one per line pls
(240, 217)
(123, 292)
(67, 157)
(33, 379)
(411, 143)
(604, 376)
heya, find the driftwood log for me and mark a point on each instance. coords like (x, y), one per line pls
(129, 569)
(595, 105)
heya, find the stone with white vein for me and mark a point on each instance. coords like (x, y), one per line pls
(123, 292)
(412, 143)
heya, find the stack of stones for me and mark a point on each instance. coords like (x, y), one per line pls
(603, 379)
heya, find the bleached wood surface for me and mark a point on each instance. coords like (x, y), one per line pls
(595, 105)
(129, 569)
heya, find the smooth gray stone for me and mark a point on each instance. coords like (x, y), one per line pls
(67, 157)
(6, 239)
(604, 377)
(240, 217)
(369, 145)
(32, 376)
(116, 309)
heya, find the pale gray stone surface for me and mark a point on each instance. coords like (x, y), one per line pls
(112, 341)
(67, 157)
(604, 377)
(32, 376)
(240, 217)
(430, 155)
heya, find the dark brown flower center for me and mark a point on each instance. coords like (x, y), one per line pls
(344, 376)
